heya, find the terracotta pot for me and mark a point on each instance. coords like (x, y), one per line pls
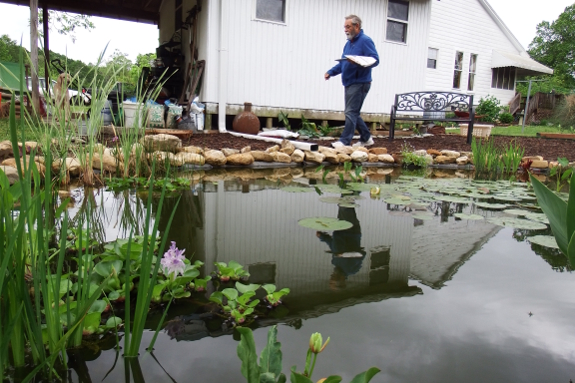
(246, 122)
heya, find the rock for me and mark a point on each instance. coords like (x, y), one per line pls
(342, 157)
(554, 164)
(192, 149)
(64, 194)
(29, 145)
(397, 158)
(467, 154)
(463, 160)
(260, 155)
(215, 158)
(175, 160)
(191, 158)
(107, 163)
(5, 149)
(345, 149)
(161, 142)
(359, 156)
(361, 149)
(243, 159)
(372, 157)
(246, 149)
(387, 158)
(272, 149)
(287, 147)
(532, 158)
(315, 157)
(539, 164)
(331, 156)
(385, 171)
(298, 156)
(11, 173)
(228, 152)
(281, 157)
(420, 153)
(73, 166)
(450, 153)
(12, 162)
(445, 159)
(433, 152)
(428, 159)
(378, 151)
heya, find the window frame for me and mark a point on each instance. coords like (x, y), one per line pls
(503, 78)
(398, 21)
(456, 70)
(429, 49)
(471, 74)
(256, 18)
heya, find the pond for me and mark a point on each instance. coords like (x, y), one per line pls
(410, 288)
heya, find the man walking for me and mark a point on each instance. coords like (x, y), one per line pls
(356, 79)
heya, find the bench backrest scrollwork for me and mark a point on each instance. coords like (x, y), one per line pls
(433, 102)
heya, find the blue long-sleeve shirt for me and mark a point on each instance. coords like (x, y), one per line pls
(360, 45)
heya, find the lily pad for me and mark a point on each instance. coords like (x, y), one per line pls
(470, 217)
(361, 187)
(325, 223)
(544, 240)
(397, 201)
(453, 199)
(516, 212)
(517, 223)
(297, 189)
(491, 206)
(423, 216)
(538, 217)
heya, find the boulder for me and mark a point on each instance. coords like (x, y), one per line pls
(12, 162)
(445, 160)
(433, 152)
(215, 158)
(361, 149)
(463, 160)
(532, 158)
(315, 157)
(450, 153)
(539, 164)
(342, 157)
(298, 156)
(243, 159)
(281, 157)
(397, 158)
(359, 156)
(387, 158)
(192, 149)
(378, 151)
(272, 149)
(73, 166)
(161, 142)
(260, 155)
(11, 173)
(5, 149)
(191, 158)
(228, 152)
(246, 149)
(372, 157)
(106, 163)
(428, 159)
(287, 147)
(330, 156)
(345, 149)
(420, 153)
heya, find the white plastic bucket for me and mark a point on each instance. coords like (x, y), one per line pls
(133, 114)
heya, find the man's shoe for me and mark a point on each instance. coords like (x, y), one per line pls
(364, 144)
(337, 144)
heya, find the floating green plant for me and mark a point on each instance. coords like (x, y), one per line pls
(469, 217)
(517, 223)
(325, 223)
(544, 240)
(491, 206)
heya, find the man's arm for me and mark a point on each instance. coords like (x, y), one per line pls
(333, 71)
(370, 51)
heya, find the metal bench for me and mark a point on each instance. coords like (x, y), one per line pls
(432, 106)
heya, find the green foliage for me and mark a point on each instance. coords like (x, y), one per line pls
(561, 173)
(485, 156)
(410, 158)
(9, 49)
(553, 46)
(564, 113)
(511, 156)
(66, 23)
(561, 216)
(505, 118)
(283, 117)
(489, 108)
(230, 271)
(269, 368)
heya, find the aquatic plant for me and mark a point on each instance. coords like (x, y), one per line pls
(561, 172)
(409, 158)
(274, 297)
(269, 368)
(486, 156)
(230, 271)
(561, 216)
(511, 157)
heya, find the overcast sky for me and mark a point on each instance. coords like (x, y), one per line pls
(520, 16)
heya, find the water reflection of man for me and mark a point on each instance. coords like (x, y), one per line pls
(345, 246)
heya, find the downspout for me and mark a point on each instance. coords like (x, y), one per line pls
(223, 53)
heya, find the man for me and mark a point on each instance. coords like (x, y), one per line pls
(356, 79)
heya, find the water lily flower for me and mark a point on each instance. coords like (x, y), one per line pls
(315, 343)
(173, 261)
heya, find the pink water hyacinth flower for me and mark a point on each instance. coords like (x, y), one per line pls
(173, 261)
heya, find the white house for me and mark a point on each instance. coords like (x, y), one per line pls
(274, 53)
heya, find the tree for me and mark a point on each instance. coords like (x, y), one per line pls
(553, 46)
(9, 49)
(66, 23)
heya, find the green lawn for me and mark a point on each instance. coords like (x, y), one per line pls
(515, 130)
(5, 130)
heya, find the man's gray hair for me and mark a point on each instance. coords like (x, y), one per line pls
(355, 20)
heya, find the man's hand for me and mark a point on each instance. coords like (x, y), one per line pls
(326, 76)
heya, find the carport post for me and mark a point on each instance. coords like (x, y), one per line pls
(526, 107)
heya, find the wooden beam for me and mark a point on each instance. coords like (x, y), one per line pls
(34, 55)
(46, 49)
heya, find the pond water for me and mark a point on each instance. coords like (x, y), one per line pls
(420, 294)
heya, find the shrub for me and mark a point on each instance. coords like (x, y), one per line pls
(489, 108)
(564, 114)
(506, 118)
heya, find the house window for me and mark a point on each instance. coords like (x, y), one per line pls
(503, 78)
(472, 71)
(458, 70)
(397, 15)
(271, 10)
(432, 58)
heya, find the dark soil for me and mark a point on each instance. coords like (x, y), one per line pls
(549, 149)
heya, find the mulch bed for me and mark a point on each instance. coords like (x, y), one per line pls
(550, 149)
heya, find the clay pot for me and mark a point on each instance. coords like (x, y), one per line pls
(246, 122)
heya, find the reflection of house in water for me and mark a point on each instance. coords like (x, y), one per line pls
(440, 249)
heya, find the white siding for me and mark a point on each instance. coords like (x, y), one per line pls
(466, 26)
(282, 65)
